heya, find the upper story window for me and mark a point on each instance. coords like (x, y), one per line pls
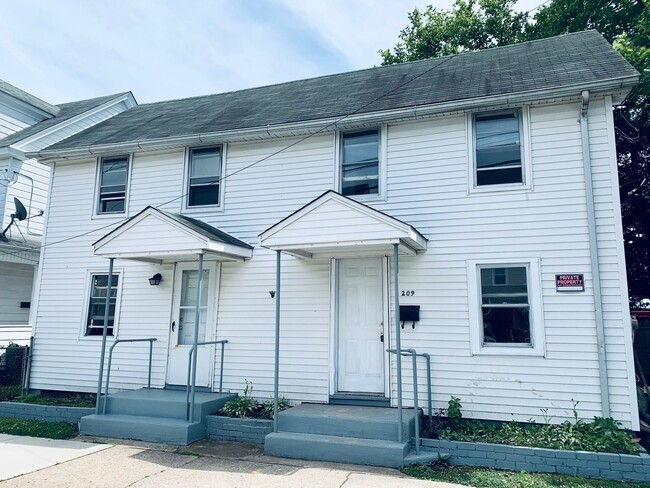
(113, 178)
(97, 305)
(360, 162)
(498, 149)
(204, 176)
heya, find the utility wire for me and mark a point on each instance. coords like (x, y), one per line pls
(275, 153)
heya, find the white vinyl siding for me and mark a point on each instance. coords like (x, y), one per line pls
(427, 173)
(16, 285)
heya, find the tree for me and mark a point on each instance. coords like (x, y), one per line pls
(470, 25)
(478, 24)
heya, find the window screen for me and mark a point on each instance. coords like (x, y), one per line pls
(360, 163)
(498, 149)
(204, 176)
(112, 184)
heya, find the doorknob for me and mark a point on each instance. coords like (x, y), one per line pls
(173, 325)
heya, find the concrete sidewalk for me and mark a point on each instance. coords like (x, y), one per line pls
(20, 454)
(207, 463)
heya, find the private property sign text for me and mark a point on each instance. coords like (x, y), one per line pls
(570, 282)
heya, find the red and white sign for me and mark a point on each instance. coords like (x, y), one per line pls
(570, 282)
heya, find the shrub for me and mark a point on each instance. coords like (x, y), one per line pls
(267, 407)
(245, 406)
(601, 435)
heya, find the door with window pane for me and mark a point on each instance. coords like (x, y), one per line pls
(183, 325)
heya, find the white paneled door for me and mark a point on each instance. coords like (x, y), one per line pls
(360, 326)
(182, 327)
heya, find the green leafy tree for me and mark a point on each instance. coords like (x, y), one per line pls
(478, 24)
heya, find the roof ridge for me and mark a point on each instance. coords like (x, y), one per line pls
(107, 97)
(386, 67)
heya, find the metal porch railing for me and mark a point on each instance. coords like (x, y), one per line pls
(414, 355)
(110, 359)
(189, 402)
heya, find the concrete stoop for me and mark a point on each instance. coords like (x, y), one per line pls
(346, 434)
(153, 415)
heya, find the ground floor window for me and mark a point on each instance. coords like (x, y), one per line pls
(506, 307)
(97, 304)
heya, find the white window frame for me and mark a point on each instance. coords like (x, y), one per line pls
(526, 157)
(382, 172)
(96, 214)
(536, 314)
(219, 207)
(86, 302)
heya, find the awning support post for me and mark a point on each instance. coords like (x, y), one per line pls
(197, 319)
(398, 341)
(107, 306)
(277, 341)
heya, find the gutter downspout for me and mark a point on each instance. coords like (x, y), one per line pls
(593, 251)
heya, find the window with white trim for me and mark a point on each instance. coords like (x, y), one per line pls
(97, 304)
(505, 308)
(204, 176)
(498, 155)
(360, 162)
(113, 178)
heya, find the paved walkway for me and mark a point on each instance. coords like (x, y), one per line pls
(206, 463)
(20, 455)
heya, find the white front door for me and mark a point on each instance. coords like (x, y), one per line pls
(183, 317)
(361, 351)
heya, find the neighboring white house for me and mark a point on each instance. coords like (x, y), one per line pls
(493, 172)
(30, 124)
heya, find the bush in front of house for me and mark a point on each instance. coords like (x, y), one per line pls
(601, 435)
(245, 406)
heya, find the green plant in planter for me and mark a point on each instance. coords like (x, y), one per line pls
(243, 406)
(267, 407)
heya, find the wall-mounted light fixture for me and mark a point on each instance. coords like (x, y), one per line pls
(155, 279)
(272, 293)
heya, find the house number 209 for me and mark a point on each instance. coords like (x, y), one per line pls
(408, 293)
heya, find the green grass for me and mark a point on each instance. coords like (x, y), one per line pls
(38, 428)
(7, 392)
(60, 400)
(492, 478)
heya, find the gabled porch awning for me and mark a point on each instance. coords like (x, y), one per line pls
(157, 236)
(337, 226)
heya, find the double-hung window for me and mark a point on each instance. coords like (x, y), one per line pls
(97, 305)
(498, 149)
(506, 311)
(113, 178)
(204, 176)
(360, 162)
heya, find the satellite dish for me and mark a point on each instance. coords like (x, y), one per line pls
(21, 212)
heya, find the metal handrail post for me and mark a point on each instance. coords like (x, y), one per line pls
(223, 347)
(110, 361)
(107, 305)
(416, 401)
(150, 361)
(187, 388)
(108, 376)
(189, 370)
(428, 359)
(276, 377)
(197, 319)
(398, 341)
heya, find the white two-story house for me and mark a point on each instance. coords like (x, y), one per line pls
(490, 175)
(30, 124)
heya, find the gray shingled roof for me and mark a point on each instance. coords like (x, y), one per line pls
(65, 111)
(28, 98)
(568, 60)
(205, 229)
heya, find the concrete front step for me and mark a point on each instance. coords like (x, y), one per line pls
(351, 450)
(346, 421)
(151, 429)
(164, 403)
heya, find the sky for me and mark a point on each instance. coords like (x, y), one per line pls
(65, 50)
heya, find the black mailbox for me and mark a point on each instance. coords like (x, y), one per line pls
(409, 313)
